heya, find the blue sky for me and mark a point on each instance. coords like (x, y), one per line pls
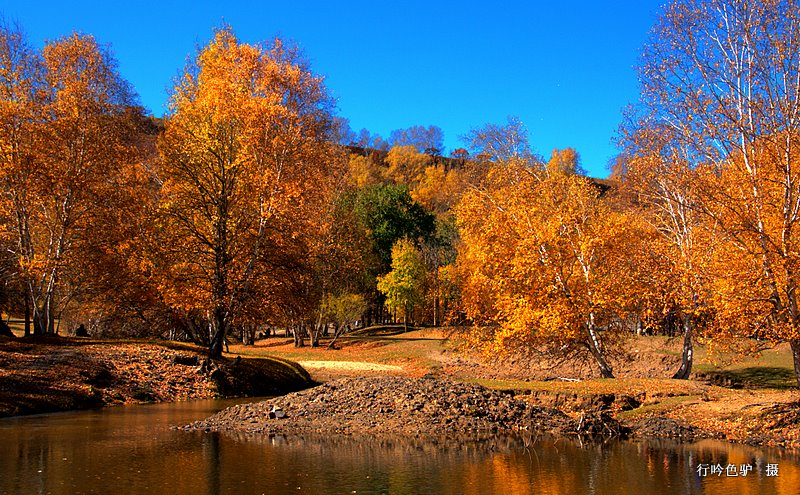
(565, 68)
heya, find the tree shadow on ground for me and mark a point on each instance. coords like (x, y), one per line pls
(754, 377)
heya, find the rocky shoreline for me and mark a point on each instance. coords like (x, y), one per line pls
(381, 406)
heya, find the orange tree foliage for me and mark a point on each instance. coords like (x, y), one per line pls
(673, 272)
(246, 165)
(546, 259)
(20, 112)
(66, 140)
(722, 77)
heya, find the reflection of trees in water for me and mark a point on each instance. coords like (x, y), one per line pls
(513, 464)
(193, 462)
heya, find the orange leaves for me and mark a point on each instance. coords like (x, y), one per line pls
(247, 174)
(541, 254)
(72, 143)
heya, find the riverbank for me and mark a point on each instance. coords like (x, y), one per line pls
(428, 406)
(753, 400)
(61, 374)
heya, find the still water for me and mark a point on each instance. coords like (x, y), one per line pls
(131, 449)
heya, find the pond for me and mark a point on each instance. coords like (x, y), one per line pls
(131, 449)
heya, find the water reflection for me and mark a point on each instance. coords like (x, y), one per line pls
(132, 450)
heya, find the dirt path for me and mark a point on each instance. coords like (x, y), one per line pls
(349, 366)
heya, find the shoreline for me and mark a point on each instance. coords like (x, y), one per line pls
(63, 374)
(420, 407)
(42, 375)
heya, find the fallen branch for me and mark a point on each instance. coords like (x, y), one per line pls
(563, 379)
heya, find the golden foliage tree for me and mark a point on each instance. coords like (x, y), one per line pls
(721, 76)
(246, 165)
(674, 271)
(20, 113)
(543, 258)
(66, 113)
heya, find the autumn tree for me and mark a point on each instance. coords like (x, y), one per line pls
(496, 142)
(722, 77)
(342, 255)
(247, 162)
(428, 140)
(120, 292)
(343, 309)
(544, 260)
(66, 140)
(407, 164)
(365, 171)
(566, 160)
(366, 140)
(673, 272)
(20, 113)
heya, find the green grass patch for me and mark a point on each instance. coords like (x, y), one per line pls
(665, 404)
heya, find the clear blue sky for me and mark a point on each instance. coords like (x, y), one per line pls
(565, 68)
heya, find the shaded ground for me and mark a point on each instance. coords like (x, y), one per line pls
(59, 374)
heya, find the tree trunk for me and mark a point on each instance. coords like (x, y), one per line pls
(596, 349)
(27, 316)
(314, 334)
(795, 343)
(298, 336)
(51, 316)
(339, 329)
(218, 338)
(686, 363)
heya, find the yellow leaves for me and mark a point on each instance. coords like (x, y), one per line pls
(364, 172)
(541, 254)
(247, 176)
(406, 164)
(438, 189)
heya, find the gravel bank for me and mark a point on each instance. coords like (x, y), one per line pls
(390, 405)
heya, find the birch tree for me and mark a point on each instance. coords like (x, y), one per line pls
(247, 162)
(723, 76)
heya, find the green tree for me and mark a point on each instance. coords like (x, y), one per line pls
(403, 285)
(388, 214)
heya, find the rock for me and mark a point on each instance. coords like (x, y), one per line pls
(276, 413)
